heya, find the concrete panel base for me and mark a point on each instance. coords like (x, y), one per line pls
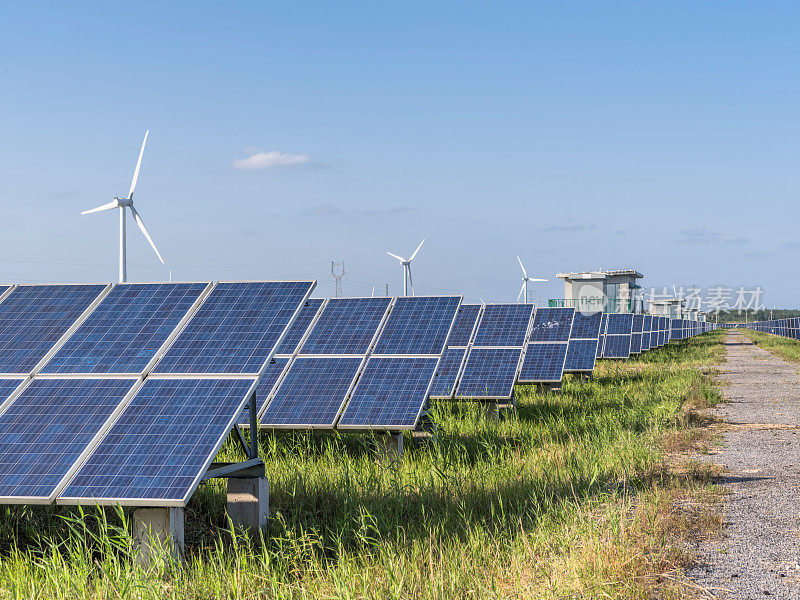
(248, 503)
(390, 445)
(157, 534)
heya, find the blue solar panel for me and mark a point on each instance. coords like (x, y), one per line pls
(272, 373)
(236, 328)
(636, 343)
(617, 346)
(34, 317)
(489, 373)
(161, 444)
(312, 393)
(390, 394)
(346, 326)
(464, 325)
(447, 372)
(503, 325)
(619, 323)
(294, 336)
(46, 429)
(647, 332)
(586, 325)
(124, 332)
(552, 324)
(418, 325)
(602, 336)
(638, 324)
(581, 355)
(543, 362)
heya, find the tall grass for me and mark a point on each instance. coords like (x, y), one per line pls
(572, 496)
(786, 348)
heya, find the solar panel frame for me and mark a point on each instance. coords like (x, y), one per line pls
(373, 340)
(102, 291)
(43, 368)
(577, 359)
(617, 346)
(437, 348)
(63, 499)
(88, 447)
(512, 334)
(558, 350)
(188, 374)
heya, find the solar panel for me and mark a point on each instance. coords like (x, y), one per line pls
(503, 325)
(602, 336)
(294, 336)
(586, 325)
(162, 443)
(552, 324)
(390, 394)
(617, 346)
(543, 362)
(346, 326)
(418, 325)
(312, 393)
(126, 329)
(646, 332)
(266, 385)
(464, 325)
(236, 328)
(447, 373)
(619, 323)
(46, 429)
(581, 356)
(489, 373)
(33, 318)
(636, 334)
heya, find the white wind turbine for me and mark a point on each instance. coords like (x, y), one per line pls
(122, 204)
(525, 280)
(407, 269)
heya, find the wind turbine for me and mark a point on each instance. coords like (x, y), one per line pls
(407, 269)
(122, 204)
(525, 279)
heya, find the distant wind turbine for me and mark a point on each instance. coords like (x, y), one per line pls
(525, 279)
(407, 281)
(122, 204)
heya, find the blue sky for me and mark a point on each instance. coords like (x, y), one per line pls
(659, 136)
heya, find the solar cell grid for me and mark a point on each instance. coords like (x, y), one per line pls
(161, 444)
(418, 325)
(617, 346)
(552, 324)
(581, 355)
(464, 325)
(619, 323)
(346, 326)
(236, 328)
(312, 393)
(586, 325)
(543, 363)
(126, 329)
(34, 317)
(46, 429)
(447, 372)
(489, 373)
(266, 385)
(390, 394)
(503, 325)
(300, 326)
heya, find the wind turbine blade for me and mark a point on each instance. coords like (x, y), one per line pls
(400, 258)
(373, 291)
(524, 272)
(136, 172)
(109, 206)
(140, 223)
(529, 279)
(522, 289)
(417, 250)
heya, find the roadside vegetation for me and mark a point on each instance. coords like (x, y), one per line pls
(786, 348)
(577, 495)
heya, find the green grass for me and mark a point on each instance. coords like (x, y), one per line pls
(572, 497)
(786, 348)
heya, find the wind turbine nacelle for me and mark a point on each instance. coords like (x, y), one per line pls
(124, 201)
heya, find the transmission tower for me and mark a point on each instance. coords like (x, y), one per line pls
(338, 273)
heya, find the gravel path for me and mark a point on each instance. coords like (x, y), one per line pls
(758, 554)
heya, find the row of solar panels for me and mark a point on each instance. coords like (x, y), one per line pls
(788, 328)
(124, 394)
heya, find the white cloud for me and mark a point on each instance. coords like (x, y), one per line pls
(270, 160)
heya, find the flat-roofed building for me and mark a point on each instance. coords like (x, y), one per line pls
(611, 291)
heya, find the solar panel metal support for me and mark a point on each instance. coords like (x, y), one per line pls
(250, 468)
